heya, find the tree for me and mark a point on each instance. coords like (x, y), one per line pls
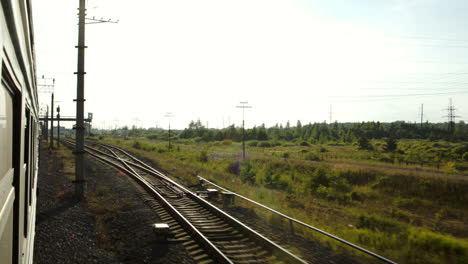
(262, 133)
(364, 142)
(390, 144)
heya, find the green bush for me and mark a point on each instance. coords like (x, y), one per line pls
(136, 144)
(454, 250)
(378, 223)
(356, 196)
(252, 143)
(312, 156)
(203, 156)
(247, 173)
(232, 167)
(152, 137)
(160, 150)
(340, 184)
(409, 204)
(323, 149)
(358, 177)
(321, 177)
(465, 156)
(324, 192)
(286, 155)
(264, 144)
(227, 142)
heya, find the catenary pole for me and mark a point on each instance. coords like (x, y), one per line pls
(52, 122)
(79, 146)
(47, 124)
(243, 106)
(58, 126)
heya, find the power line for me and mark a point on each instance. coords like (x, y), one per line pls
(401, 95)
(429, 38)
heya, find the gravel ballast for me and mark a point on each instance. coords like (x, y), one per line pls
(112, 225)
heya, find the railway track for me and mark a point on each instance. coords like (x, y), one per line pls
(209, 234)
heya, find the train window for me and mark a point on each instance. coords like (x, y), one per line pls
(6, 128)
(27, 149)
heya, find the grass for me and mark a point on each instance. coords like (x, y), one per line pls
(408, 211)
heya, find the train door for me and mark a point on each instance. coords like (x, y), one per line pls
(7, 191)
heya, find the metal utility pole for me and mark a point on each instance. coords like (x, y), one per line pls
(58, 126)
(169, 115)
(79, 146)
(331, 114)
(422, 114)
(243, 106)
(52, 123)
(451, 116)
(47, 124)
(47, 87)
(136, 119)
(80, 128)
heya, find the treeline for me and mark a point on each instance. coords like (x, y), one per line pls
(322, 132)
(309, 133)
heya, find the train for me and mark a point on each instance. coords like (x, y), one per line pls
(19, 133)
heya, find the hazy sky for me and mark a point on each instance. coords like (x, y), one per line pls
(291, 60)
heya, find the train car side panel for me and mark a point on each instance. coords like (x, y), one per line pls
(18, 133)
(7, 191)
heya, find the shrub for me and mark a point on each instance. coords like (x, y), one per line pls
(461, 167)
(324, 192)
(340, 184)
(227, 142)
(390, 144)
(465, 156)
(320, 177)
(323, 149)
(408, 204)
(312, 156)
(377, 223)
(450, 167)
(304, 144)
(364, 143)
(358, 177)
(286, 155)
(356, 196)
(152, 137)
(232, 167)
(275, 143)
(427, 241)
(136, 144)
(247, 173)
(252, 143)
(264, 144)
(203, 157)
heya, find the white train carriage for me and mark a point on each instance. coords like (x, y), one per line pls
(18, 133)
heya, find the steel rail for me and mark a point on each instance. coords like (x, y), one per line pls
(192, 230)
(304, 224)
(272, 246)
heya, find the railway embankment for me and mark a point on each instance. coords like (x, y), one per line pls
(112, 225)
